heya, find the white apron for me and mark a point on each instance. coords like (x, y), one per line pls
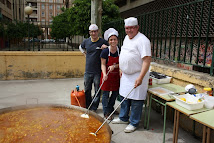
(130, 62)
(127, 82)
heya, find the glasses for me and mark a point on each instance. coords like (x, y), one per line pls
(93, 31)
(130, 27)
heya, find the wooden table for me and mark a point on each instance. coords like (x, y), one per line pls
(179, 109)
(166, 98)
(207, 119)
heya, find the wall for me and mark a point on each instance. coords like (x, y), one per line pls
(41, 65)
(184, 77)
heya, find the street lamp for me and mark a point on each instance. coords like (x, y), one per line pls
(28, 11)
(39, 25)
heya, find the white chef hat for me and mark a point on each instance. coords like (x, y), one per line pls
(108, 33)
(131, 21)
(93, 27)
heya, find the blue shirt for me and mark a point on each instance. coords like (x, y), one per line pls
(93, 62)
(105, 52)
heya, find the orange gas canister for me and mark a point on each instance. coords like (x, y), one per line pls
(78, 97)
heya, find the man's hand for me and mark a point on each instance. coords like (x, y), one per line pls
(138, 82)
(103, 46)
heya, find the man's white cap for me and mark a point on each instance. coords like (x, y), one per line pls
(131, 21)
(108, 33)
(93, 27)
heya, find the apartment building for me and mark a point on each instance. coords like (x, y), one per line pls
(43, 13)
(6, 10)
(11, 10)
(18, 10)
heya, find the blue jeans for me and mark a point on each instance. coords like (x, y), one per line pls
(136, 111)
(108, 103)
(89, 79)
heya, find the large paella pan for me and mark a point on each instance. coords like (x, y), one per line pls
(50, 123)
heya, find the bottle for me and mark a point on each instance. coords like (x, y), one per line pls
(209, 91)
(77, 88)
(150, 81)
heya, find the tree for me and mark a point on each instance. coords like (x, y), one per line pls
(60, 27)
(77, 18)
(18, 30)
(1, 29)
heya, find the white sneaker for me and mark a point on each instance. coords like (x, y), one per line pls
(118, 121)
(130, 129)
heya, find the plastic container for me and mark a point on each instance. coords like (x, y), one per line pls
(209, 91)
(209, 102)
(78, 97)
(160, 91)
(161, 81)
(190, 106)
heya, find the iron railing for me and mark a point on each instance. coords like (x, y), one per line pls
(180, 34)
(43, 42)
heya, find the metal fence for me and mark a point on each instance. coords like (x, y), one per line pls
(31, 42)
(179, 34)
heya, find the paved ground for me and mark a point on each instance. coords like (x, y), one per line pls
(57, 91)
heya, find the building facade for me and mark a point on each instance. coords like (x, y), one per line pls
(18, 10)
(12, 10)
(43, 13)
(6, 10)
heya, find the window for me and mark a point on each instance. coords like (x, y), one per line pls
(2, 1)
(43, 21)
(50, 7)
(50, 0)
(43, 6)
(43, 0)
(50, 14)
(8, 4)
(43, 14)
(58, 7)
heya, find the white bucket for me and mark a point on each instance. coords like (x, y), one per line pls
(209, 102)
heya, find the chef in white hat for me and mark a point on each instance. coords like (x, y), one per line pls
(110, 65)
(91, 48)
(135, 58)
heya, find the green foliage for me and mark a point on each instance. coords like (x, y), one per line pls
(2, 29)
(76, 20)
(110, 12)
(60, 27)
(80, 17)
(20, 30)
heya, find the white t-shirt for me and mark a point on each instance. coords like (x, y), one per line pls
(132, 52)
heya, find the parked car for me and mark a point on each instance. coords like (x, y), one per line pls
(48, 41)
(60, 40)
(52, 40)
(35, 40)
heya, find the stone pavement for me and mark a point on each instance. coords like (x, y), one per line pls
(57, 91)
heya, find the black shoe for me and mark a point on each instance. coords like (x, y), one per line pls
(116, 113)
(110, 118)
